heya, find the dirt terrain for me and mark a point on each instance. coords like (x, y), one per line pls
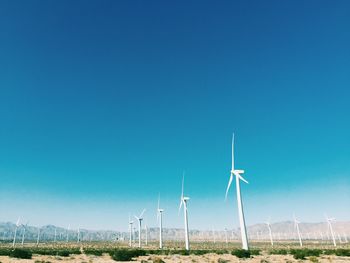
(210, 258)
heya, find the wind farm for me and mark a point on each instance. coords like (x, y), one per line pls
(288, 240)
(174, 131)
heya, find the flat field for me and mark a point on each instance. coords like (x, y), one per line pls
(220, 252)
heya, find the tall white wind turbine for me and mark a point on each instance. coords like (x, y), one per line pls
(68, 233)
(146, 234)
(15, 234)
(329, 222)
(296, 225)
(24, 232)
(38, 237)
(237, 174)
(78, 235)
(183, 201)
(270, 231)
(160, 220)
(55, 235)
(140, 218)
(130, 231)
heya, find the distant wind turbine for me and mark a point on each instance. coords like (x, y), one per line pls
(140, 218)
(78, 235)
(146, 234)
(15, 234)
(296, 225)
(270, 231)
(130, 231)
(55, 234)
(24, 232)
(68, 233)
(160, 220)
(329, 222)
(237, 174)
(38, 237)
(183, 201)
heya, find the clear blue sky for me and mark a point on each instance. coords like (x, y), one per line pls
(103, 104)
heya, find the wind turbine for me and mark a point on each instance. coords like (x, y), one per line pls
(237, 174)
(130, 231)
(78, 235)
(183, 201)
(270, 231)
(68, 233)
(139, 218)
(54, 239)
(24, 232)
(15, 234)
(329, 222)
(296, 224)
(38, 237)
(160, 220)
(146, 230)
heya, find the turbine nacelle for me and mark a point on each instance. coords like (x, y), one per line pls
(237, 172)
(138, 218)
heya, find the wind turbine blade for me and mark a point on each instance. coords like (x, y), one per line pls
(228, 186)
(158, 200)
(137, 218)
(143, 211)
(180, 205)
(233, 159)
(326, 216)
(241, 177)
(183, 182)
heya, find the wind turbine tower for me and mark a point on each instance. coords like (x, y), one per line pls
(160, 220)
(38, 237)
(270, 231)
(130, 231)
(329, 222)
(237, 174)
(140, 218)
(296, 224)
(15, 234)
(24, 232)
(183, 201)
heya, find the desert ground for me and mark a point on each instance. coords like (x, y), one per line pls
(222, 254)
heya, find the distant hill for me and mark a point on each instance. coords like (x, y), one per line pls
(280, 230)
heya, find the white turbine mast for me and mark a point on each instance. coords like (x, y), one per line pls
(55, 234)
(146, 234)
(67, 239)
(38, 237)
(130, 231)
(15, 234)
(78, 235)
(237, 174)
(270, 231)
(140, 218)
(24, 232)
(296, 225)
(330, 227)
(183, 201)
(160, 220)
